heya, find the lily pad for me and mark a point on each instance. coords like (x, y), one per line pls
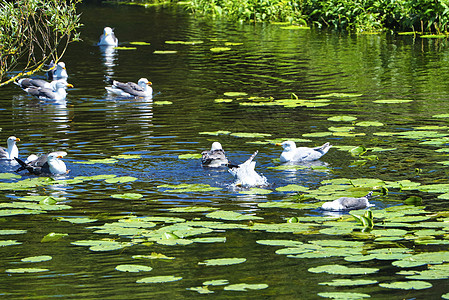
(215, 132)
(342, 119)
(122, 179)
(165, 52)
(159, 279)
(250, 135)
(235, 94)
(9, 243)
(34, 259)
(216, 282)
(222, 261)
(131, 196)
(392, 101)
(343, 295)
(231, 215)
(26, 270)
(368, 123)
(190, 156)
(162, 102)
(125, 48)
(140, 43)
(53, 237)
(349, 282)
(242, 287)
(220, 49)
(342, 270)
(407, 285)
(11, 231)
(133, 268)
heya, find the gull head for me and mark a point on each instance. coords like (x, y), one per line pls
(216, 146)
(287, 145)
(12, 140)
(107, 31)
(143, 82)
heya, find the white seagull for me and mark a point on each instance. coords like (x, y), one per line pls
(12, 151)
(214, 158)
(57, 71)
(291, 153)
(108, 38)
(245, 174)
(45, 164)
(57, 94)
(130, 89)
(348, 203)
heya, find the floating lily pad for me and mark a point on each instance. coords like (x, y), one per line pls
(125, 48)
(201, 290)
(233, 44)
(250, 135)
(9, 243)
(26, 270)
(216, 282)
(292, 188)
(140, 43)
(131, 196)
(242, 287)
(53, 237)
(80, 220)
(407, 285)
(342, 270)
(215, 132)
(163, 102)
(153, 255)
(34, 259)
(159, 279)
(101, 245)
(9, 176)
(392, 101)
(256, 191)
(342, 119)
(184, 42)
(222, 261)
(190, 156)
(223, 100)
(12, 231)
(210, 240)
(231, 215)
(165, 52)
(343, 295)
(235, 94)
(285, 243)
(97, 161)
(186, 188)
(349, 282)
(122, 179)
(127, 156)
(133, 268)
(220, 49)
(368, 123)
(340, 95)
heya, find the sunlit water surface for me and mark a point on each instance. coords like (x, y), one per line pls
(264, 61)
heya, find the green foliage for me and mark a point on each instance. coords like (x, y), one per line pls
(358, 15)
(35, 30)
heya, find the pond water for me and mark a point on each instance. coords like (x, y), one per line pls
(134, 197)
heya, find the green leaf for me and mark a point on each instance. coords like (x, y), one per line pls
(165, 52)
(159, 279)
(342, 270)
(140, 43)
(53, 237)
(216, 282)
(407, 285)
(131, 196)
(190, 156)
(12, 231)
(242, 287)
(222, 261)
(342, 119)
(349, 282)
(230, 215)
(26, 270)
(342, 295)
(133, 268)
(122, 179)
(219, 49)
(392, 101)
(34, 259)
(9, 243)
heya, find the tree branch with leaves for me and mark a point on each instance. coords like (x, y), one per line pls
(34, 32)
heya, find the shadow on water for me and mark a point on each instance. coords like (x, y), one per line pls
(128, 187)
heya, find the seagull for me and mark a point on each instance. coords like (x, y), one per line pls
(36, 83)
(348, 203)
(57, 94)
(108, 38)
(57, 71)
(12, 151)
(214, 158)
(291, 153)
(245, 174)
(130, 89)
(45, 164)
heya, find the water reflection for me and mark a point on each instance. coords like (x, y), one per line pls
(109, 56)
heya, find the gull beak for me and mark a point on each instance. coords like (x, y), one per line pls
(59, 156)
(17, 140)
(69, 85)
(149, 83)
(278, 144)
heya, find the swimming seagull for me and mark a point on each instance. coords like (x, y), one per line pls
(36, 83)
(216, 157)
(348, 203)
(245, 174)
(12, 151)
(130, 89)
(45, 164)
(57, 71)
(57, 94)
(108, 38)
(291, 153)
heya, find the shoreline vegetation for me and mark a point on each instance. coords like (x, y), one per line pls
(361, 16)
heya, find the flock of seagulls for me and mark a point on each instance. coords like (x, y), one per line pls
(56, 88)
(245, 174)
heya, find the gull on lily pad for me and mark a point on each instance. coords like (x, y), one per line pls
(11, 151)
(245, 174)
(108, 38)
(214, 158)
(348, 203)
(291, 153)
(47, 164)
(130, 89)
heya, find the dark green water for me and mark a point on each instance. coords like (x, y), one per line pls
(268, 61)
